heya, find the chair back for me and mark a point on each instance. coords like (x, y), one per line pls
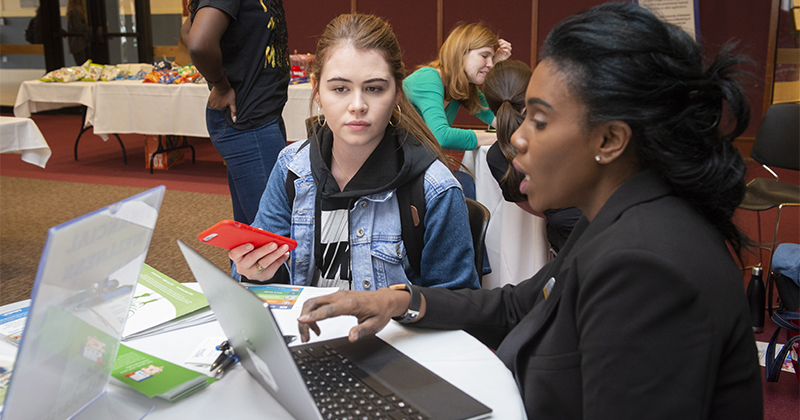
(777, 142)
(478, 222)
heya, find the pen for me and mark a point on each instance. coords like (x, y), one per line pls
(228, 362)
(225, 348)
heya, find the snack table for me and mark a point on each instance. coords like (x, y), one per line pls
(131, 106)
(22, 136)
(516, 241)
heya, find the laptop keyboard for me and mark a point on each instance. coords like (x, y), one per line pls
(343, 391)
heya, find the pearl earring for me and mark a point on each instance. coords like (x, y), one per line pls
(597, 158)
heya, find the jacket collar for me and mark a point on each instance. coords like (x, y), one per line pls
(641, 188)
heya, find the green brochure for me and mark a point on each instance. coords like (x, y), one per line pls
(155, 377)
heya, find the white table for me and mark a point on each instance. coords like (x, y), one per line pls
(454, 355)
(131, 106)
(22, 136)
(516, 241)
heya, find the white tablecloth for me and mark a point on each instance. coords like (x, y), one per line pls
(131, 106)
(454, 355)
(516, 241)
(22, 136)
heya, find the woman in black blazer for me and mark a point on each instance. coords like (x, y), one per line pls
(643, 313)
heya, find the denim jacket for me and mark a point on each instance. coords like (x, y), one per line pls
(378, 256)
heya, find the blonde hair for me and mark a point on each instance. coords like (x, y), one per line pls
(368, 32)
(77, 4)
(464, 38)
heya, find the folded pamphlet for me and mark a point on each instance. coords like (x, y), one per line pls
(155, 377)
(12, 320)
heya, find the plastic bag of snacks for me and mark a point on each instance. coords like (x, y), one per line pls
(64, 75)
(170, 77)
(189, 73)
(301, 64)
(93, 72)
(111, 73)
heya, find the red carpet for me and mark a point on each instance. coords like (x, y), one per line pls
(100, 162)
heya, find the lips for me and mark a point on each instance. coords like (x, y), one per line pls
(523, 185)
(357, 125)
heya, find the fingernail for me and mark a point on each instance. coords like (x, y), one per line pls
(303, 318)
(250, 247)
(234, 118)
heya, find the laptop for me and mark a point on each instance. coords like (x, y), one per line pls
(368, 377)
(67, 349)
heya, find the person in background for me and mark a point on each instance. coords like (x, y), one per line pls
(344, 210)
(78, 30)
(504, 89)
(241, 48)
(438, 89)
(642, 314)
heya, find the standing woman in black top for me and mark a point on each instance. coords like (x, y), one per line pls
(241, 48)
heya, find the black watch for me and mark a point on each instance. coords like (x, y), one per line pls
(413, 307)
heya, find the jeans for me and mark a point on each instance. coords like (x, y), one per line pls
(250, 156)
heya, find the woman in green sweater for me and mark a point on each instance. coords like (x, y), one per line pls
(438, 89)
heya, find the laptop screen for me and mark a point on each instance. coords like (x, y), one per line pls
(67, 350)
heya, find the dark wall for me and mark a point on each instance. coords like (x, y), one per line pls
(415, 23)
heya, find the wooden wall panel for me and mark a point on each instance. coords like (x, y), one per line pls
(306, 21)
(511, 20)
(413, 21)
(416, 23)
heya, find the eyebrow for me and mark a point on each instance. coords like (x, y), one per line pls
(537, 101)
(373, 80)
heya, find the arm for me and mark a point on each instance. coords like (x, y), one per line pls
(425, 91)
(448, 259)
(640, 317)
(503, 51)
(203, 37)
(274, 215)
(486, 314)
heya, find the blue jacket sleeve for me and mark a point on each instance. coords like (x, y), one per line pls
(425, 91)
(447, 256)
(274, 210)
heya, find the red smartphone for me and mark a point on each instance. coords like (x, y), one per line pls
(229, 234)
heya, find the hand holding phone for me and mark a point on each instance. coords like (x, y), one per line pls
(229, 234)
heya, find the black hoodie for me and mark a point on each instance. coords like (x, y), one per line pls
(398, 159)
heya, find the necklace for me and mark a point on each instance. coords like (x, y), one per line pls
(347, 178)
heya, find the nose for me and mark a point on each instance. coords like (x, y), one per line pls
(490, 62)
(358, 105)
(518, 141)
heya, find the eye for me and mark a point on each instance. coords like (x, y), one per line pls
(375, 89)
(339, 89)
(540, 125)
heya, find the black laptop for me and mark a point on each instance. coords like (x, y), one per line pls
(331, 379)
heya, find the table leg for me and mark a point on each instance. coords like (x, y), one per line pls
(84, 129)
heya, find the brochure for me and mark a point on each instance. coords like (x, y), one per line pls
(155, 377)
(6, 368)
(159, 304)
(12, 320)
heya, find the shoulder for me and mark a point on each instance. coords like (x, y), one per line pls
(295, 157)
(438, 179)
(425, 76)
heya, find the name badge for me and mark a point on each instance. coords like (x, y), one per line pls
(548, 287)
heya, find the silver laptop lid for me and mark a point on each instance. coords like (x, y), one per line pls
(67, 350)
(255, 336)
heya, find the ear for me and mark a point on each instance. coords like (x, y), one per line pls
(316, 92)
(398, 95)
(614, 137)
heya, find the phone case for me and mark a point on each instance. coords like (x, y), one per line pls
(229, 234)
